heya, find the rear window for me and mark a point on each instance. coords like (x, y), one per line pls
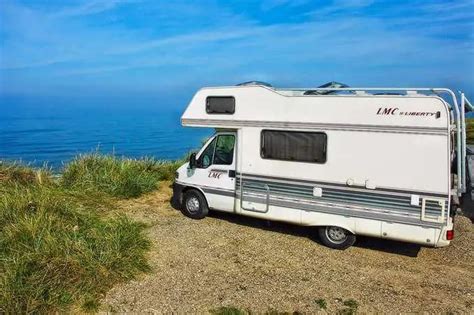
(220, 105)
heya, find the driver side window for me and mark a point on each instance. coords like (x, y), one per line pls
(220, 151)
(224, 153)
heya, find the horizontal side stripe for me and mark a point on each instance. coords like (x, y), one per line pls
(258, 177)
(319, 126)
(211, 190)
(346, 212)
(374, 206)
(219, 192)
(391, 203)
(305, 191)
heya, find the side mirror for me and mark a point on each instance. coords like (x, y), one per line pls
(192, 160)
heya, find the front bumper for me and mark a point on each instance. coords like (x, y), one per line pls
(177, 198)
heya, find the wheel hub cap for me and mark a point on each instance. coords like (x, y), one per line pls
(336, 234)
(192, 204)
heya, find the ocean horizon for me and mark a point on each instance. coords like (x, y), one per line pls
(53, 135)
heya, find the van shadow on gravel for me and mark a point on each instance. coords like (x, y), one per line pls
(383, 245)
(388, 246)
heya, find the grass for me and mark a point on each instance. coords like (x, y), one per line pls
(62, 246)
(119, 177)
(321, 303)
(231, 310)
(470, 130)
(351, 307)
(17, 173)
(228, 310)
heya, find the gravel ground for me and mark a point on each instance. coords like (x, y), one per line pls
(228, 260)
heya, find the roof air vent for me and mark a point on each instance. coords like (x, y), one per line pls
(250, 83)
(329, 85)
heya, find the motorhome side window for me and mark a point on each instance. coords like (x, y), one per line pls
(220, 105)
(294, 146)
(219, 152)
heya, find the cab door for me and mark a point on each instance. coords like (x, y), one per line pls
(215, 171)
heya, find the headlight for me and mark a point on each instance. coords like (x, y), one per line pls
(176, 175)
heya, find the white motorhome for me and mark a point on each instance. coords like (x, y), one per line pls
(380, 162)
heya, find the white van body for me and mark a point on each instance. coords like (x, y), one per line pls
(384, 168)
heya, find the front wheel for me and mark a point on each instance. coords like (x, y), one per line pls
(336, 237)
(194, 205)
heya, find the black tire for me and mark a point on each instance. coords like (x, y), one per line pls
(194, 205)
(336, 237)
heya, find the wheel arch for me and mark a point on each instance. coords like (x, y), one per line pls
(189, 187)
(347, 226)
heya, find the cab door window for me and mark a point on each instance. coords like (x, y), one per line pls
(224, 152)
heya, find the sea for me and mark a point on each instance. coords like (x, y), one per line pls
(53, 135)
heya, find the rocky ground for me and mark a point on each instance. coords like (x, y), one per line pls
(250, 264)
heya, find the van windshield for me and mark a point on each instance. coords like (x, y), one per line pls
(206, 157)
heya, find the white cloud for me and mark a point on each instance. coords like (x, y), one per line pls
(90, 7)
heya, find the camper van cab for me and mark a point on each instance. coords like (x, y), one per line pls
(388, 163)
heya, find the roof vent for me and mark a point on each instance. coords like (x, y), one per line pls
(250, 83)
(329, 85)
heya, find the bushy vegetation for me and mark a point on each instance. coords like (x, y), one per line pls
(470, 130)
(62, 245)
(55, 253)
(119, 177)
(17, 173)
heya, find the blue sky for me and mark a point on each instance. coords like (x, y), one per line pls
(160, 52)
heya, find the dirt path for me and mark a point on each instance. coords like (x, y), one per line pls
(227, 260)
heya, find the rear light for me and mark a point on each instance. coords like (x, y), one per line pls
(449, 235)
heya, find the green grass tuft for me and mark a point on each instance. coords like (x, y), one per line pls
(351, 307)
(57, 249)
(119, 177)
(470, 130)
(228, 310)
(321, 303)
(277, 312)
(17, 173)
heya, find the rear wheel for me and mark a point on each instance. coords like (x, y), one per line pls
(194, 205)
(336, 237)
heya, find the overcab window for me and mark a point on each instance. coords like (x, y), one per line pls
(220, 105)
(294, 146)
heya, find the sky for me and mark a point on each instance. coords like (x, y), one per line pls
(159, 53)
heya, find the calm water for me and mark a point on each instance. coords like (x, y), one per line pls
(55, 134)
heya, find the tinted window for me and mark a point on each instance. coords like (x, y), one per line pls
(224, 153)
(220, 105)
(294, 146)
